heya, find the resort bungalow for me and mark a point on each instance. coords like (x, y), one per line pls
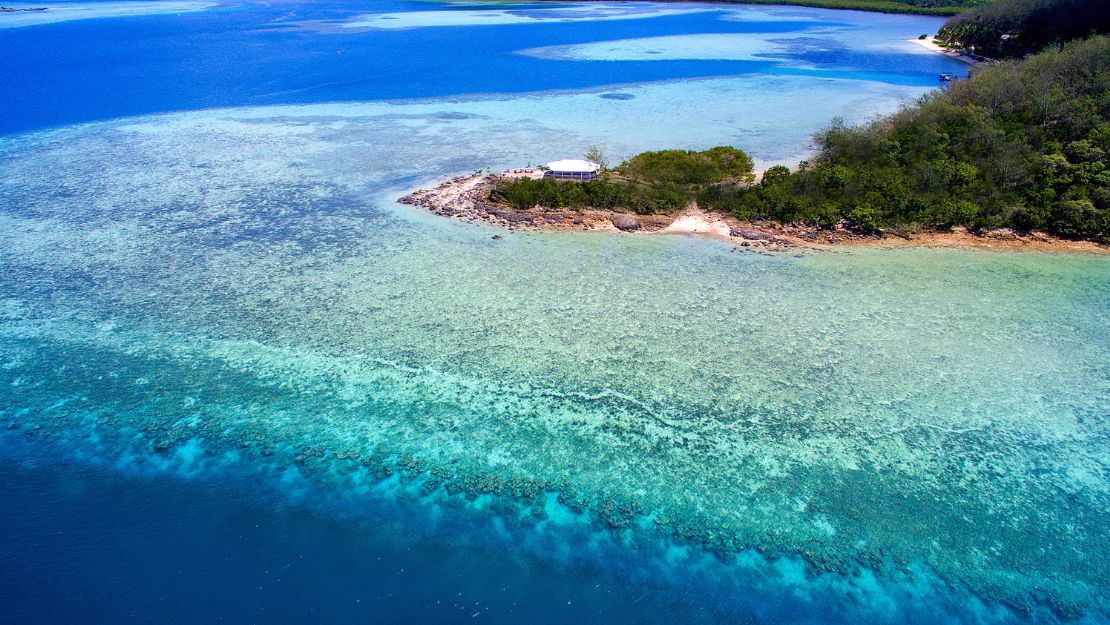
(572, 169)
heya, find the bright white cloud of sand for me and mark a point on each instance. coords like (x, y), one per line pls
(710, 46)
(771, 117)
(746, 46)
(501, 17)
(65, 12)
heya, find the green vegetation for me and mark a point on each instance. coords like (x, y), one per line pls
(523, 194)
(652, 182)
(595, 155)
(920, 7)
(1022, 144)
(1015, 28)
(686, 168)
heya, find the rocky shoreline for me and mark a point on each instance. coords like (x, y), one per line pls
(467, 198)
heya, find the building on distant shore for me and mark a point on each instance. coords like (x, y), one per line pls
(573, 169)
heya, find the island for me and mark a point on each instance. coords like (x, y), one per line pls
(471, 198)
(1017, 154)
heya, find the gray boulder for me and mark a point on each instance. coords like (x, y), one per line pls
(625, 223)
(751, 235)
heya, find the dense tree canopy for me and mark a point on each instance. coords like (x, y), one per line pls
(683, 167)
(651, 182)
(1022, 144)
(1015, 28)
(924, 7)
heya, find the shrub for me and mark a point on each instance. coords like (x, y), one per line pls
(864, 218)
(1015, 28)
(684, 167)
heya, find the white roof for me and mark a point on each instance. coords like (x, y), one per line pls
(573, 165)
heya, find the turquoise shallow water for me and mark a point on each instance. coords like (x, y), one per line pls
(65, 66)
(876, 434)
(227, 308)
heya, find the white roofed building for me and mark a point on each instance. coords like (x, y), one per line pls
(573, 169)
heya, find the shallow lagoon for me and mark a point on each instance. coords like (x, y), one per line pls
(255, 54)
(231, 297)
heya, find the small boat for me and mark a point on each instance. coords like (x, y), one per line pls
(948, 77)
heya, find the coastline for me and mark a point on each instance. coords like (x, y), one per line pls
(870, 6)
(930, 44)
(465, 198)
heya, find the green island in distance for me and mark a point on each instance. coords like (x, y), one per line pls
(915, 7)
(1022, 144)
(291, 391)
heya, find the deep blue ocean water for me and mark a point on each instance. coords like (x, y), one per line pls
(238, 383)
(85, 545)
(256, 54)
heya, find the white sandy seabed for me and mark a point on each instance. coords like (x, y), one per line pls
(69, 11)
